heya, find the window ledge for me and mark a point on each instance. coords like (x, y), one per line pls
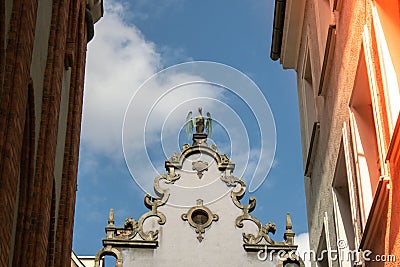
(374, 217)
(312, 149)
(328, 56)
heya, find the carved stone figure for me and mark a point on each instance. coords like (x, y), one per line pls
(199, 122)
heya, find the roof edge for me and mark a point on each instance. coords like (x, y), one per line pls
(277, 32)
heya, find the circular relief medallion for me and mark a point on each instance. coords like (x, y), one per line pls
(200, 217)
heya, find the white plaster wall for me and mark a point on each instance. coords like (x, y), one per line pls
(189, 188)
(178, 244)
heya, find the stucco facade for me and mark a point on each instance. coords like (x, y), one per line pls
(42, 64)
(198, 218)
(347, 60)
(83, 261)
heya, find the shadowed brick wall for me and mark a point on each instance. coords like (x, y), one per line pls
(42, 63)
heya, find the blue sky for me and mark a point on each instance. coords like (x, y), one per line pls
(133, 41)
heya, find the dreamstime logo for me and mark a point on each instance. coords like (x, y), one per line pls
(243, 124)
(343, 254)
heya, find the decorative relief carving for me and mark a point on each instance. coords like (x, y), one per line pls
(185, 146)
(263, 230)
(224, 159)
(200, 166)
(214, 147)
(200, 217)
(175, 157)
(129, 231)
(132, 227)
(152, 204)
(229, 180)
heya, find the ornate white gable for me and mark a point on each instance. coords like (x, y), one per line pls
(197, 217)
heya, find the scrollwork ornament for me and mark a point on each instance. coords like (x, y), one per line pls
(237, 195)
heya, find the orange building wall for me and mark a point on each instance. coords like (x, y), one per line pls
(393, 242)
(389, 14)
(355, 42)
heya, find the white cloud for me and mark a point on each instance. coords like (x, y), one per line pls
(303, 247)
(120, 60)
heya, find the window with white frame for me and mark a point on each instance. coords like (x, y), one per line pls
(343, 212)
(324, 250)
(386, 21)
(365, 147)
(306, 104)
